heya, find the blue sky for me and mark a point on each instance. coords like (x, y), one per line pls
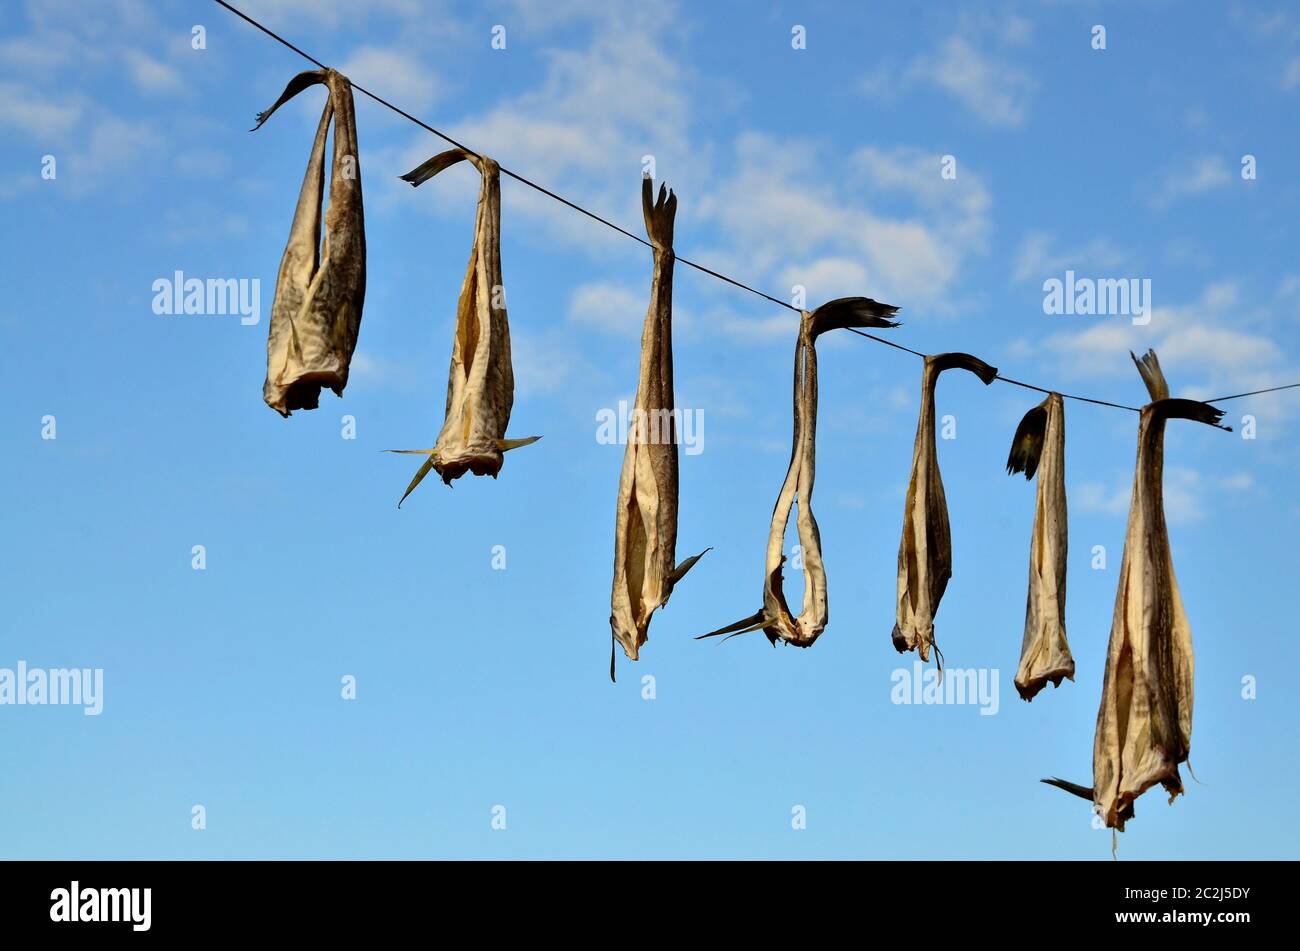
(479, 687)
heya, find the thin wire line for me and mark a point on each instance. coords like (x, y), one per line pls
(1067, 396)
(623, 231)
(1237, 396)
(887, 343)
(1004, 379)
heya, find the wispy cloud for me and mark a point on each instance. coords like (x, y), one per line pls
(31, 112)
(891, 228)
(151, 75)
(1039, 258)
(584, 129)
(609, 307)
(113, 149)
(338, 13)
(1213, 346)
(1291, 74)
(1185, 493)
(1196, 177)
(404, 77)
(980, 73)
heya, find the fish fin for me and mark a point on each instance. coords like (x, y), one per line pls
(680, 571)
(1194, 410)
(658, 213)
(422, 173)
(505, 445)
(1154, 378)
(413, 452)
(853, 312)
(756, 621)
(1083, 792)
(1027, 443)
(296, 85)
(419, 477)
(965, 361)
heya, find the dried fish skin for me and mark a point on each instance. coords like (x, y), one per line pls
(775, 619)
(645, 533)
(320, 289)
(800, 476)
(1039, 446)
(925, 551)
(480, 384)
(1144, 724)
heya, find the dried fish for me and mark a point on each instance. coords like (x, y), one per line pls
(775, 619)
(320, 289)
(481, 382)
(925, 552)
(645, 534)
(1144, 726)
(1039, 445)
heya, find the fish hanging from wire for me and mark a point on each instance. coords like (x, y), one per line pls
(775, 618)
(645, 533)
(1144, 725)
(1039, 446)
(481, 382)
(925, 552)
(320, 289)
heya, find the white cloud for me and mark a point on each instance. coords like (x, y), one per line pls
(987, 83)
(1183, 493)
(150, 75)
(1101, 498)
(399, 77)
(609, 307)
(204, 224)
(24, 108)
(994, 90)
(783, 215)
(1206, 335)
(779, 324)
(582, 132)
(1208, 348)
(780, 212)
(826, 278)
(206, 163)
(115, 149)
(1181, 488)
(378, 370)
(1291, 74)
(547, 362)
(1237, 482)
(1038, 258)
(1200, 175)
(335, 13)
(28, 54)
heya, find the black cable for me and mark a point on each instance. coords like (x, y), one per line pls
(699, 267)
(1237, 396)
(1067, 396)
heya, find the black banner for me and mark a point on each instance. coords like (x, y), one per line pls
(974, 900)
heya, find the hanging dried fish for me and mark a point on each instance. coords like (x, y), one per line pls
(320, 289)
(775, 619)
(925, 552)
(1039, 445)
(481, 384)
(1144, 726)
(645, 534)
